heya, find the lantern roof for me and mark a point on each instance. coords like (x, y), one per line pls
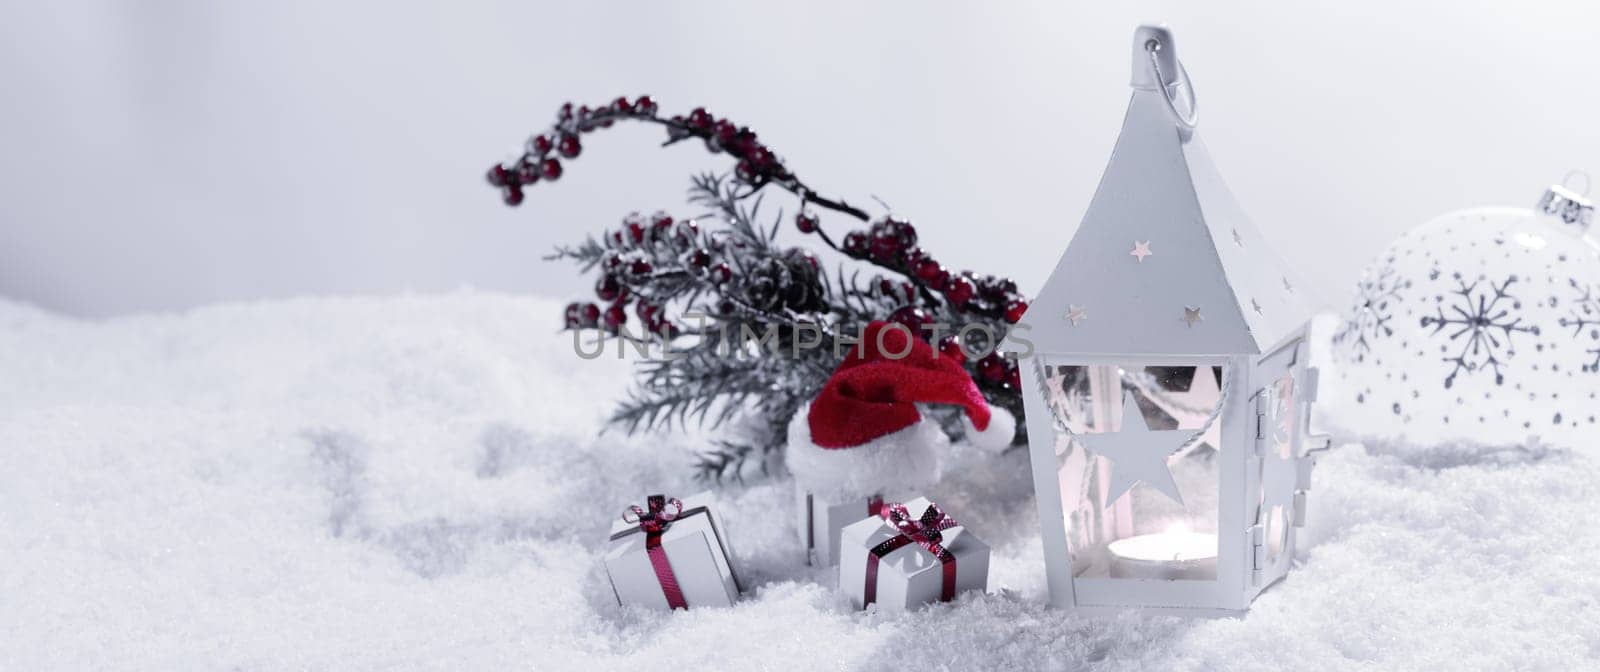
(1165, 261)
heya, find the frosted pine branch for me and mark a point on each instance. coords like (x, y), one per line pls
(709, 285)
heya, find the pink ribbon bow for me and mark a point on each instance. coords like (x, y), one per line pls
(926, 531)
(654, 521)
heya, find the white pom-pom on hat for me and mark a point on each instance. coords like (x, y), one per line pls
(997, 435)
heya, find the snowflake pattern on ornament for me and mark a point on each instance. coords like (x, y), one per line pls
(1586, 316)
(1533, 332)
(1486, 319)
(1369, 319)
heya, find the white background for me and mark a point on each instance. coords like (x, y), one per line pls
(161, 155)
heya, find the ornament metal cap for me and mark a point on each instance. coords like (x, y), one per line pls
(1572, 207)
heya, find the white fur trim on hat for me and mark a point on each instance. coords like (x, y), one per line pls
(893, 465)
(998, 435)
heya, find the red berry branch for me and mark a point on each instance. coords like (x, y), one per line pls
(757, 166)
(731, 274)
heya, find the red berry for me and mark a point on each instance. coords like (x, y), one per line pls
(907, 234)
(886, 247)
(573, 315)
(855, 243)
(645, 105)
(699, 119)
(758, 155)
(636, 231)
(569, 145)
(550, 169)
(912, 317)
(688, 230)
(699, 259)
(661, 221)
(960, 291)
(807, 223)
(950, 346)
(608, 289)
(622, 105)
(590, 315)
(528, 175)
(992, 367)
(497, 175)
(616, 316)
(513, 195)
(565, 112)
(1014, 310)
(941, 281)
(721, 273)
(646, 311)
(725, 131)
(928, 270)
(1013, 376)
(745, 170)
(540, 144)
(886, 287)
(611, 261)
(806, 256)
(639, 267)
(616, 238)
(744, 142)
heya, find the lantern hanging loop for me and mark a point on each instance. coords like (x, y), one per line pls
(1153, 48)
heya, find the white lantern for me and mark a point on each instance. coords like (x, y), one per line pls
(1165, 379)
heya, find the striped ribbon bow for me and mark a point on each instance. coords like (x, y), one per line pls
(653, 521)
(927, 531)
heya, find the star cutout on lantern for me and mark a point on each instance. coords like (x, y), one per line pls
(1076, 314)
(1192, 315)
(1137, 453)
(1141, 250)
(1191, 408)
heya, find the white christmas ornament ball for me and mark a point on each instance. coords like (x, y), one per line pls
(1483, 326)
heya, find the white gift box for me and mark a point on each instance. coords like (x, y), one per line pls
(694, 548)
(910, 575)
(822, 519)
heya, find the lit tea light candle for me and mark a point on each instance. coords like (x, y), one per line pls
(1170, 555)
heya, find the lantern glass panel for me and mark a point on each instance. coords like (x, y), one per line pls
(1180, 406)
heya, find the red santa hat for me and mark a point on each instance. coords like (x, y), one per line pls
(864, 435)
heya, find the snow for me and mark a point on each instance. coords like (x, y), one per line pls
(417, 482)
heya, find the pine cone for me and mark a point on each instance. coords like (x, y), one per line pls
(791, 282)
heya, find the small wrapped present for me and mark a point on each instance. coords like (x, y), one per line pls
(671, 554)
(822, 519)
(909, 555)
